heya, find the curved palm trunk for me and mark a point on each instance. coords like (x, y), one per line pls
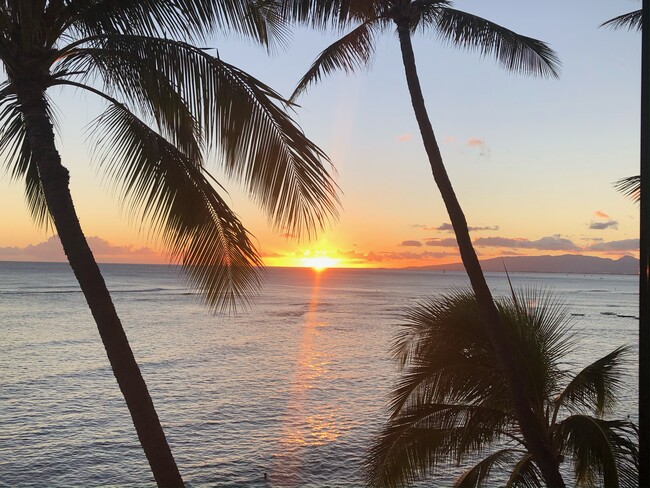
(54, 178)
(531, 425)
(644, 257)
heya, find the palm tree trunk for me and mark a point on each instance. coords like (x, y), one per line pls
(55, 179)
(535, 434)
(644, 256)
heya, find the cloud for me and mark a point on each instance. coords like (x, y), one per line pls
(550, 243)
(623, 245)
(357, 257)
(104, 251)
(445, 228)
(449, 228)
(288, 235)
(480, 145)
(449, 242)
(411, 243)
(270, 254)
(601, 214)
(354, 257)
(404, 137)
(610, 224)
(416, 255)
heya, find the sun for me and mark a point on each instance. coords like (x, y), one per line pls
(319, 263)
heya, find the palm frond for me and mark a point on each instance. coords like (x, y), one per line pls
(630, 20)
(446, 357)
(539, 324)
(172, 192)
(525, 474)
(479, 474)
(350, 53)
(630, 187)
(513, 51)
(415, 443)
(604, 452)
(17, 154)
(146, 72)
(259, 144)
(186, 19)
(327, 13)
(594, 388)
(445, 354)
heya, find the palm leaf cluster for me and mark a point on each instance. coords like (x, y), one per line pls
(170, 105)
(355, 49)
(451, 404)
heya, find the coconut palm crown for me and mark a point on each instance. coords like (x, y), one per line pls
(366, 19)
(451, 405)
(168, 105)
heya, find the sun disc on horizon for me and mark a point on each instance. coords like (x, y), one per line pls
(319, 263)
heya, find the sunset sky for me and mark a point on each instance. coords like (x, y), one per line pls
(532, 160)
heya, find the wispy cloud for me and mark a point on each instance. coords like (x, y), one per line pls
(104, 251)
(270, 254)
(475, 142)
(449, 228)
(480, 145)
(601, 214)
(426, 255)
(411, 243)
(448, 242)
(549, 243)
(404, 137)
(610, 224)
(615, 246)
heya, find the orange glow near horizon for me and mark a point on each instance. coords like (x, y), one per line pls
(319, 263)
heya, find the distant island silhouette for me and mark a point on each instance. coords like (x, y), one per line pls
(566, 263)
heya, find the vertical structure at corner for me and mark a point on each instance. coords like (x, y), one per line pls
(644, 289)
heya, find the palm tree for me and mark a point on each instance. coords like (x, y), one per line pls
(168, 103)
(636, 186)
(451, 403)
(514, 52)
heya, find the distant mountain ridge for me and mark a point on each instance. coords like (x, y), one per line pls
(566, 263)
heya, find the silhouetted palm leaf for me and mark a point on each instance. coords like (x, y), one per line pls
(14, 148)
(630, 187)
(630, 20)
(172, 192)
(259, 144)
(351, 52)
(478, 474)
(426, 435)
(600, 449)
(354, 50)
(187, 19)
(525, 474)
(594, 388)
(513, 51)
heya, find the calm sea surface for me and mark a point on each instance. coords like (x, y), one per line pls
(294, 387)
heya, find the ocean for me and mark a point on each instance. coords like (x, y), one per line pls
(294, 387)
